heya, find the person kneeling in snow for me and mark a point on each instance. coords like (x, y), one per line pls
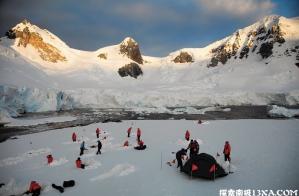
(126, 143)
(50, 159)
(79, 163)
(179, 155)
(141, 145)
(34, 188)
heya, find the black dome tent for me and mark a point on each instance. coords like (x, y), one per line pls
(204, 163)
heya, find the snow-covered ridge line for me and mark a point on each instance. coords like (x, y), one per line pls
(40, 100)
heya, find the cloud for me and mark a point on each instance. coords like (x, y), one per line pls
(240, 8)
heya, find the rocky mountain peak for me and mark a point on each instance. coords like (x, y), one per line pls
(28, 34)
(130, 48)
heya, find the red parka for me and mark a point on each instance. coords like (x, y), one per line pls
(138, 131)
(50, 159)
(78, 163)
(126, 143)
(98, 131)
(227, 148)
(33, 186)
(129, 130)
(187, 135)
(74, 136)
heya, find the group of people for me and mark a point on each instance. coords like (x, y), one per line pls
(194, 148)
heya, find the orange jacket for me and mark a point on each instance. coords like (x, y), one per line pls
(187, 135)
(138, 131)
(98, 131)
(50, 159)
(74, 136)
(129, 130)
(227, 148)
(78, 163)
(126, 143)
(33, 186)
(140, 143)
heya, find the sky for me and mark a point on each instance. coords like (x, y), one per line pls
(159, 27)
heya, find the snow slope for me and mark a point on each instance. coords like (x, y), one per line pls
(264, 157)
(29, 83)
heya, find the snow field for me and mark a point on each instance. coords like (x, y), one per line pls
(264, 156)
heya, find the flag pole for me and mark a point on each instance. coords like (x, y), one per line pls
(161, 159)
(214, 173)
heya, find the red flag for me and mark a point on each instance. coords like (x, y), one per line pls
(104, 138)
(173, 161)
(30, 142)
(218, 155)
(194, 167)
(168, 163)
(84, 130)
(212, 168)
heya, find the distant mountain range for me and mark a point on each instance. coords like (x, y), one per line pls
(261, 58)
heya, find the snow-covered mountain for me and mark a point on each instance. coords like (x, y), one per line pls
(256, 65)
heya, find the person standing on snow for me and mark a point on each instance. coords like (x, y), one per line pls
(195, 148)
(187, 135)
(99, 147)
(74, 137)
(98, 132)
(190, 146)
(82, 148)
(129, 131)
(138, 134)
(226, 151)
(179, 155)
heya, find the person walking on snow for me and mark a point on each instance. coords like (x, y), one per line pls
(226, 151)
(82, 148)
(179, 156)
(187, 135)
(138, 134)
(99, 147)
(74, 137)
(98, 132)
(129, 131)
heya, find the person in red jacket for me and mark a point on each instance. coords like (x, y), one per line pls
(138, 134)
(126, 143)
(98, 132)
(50, 158)
(74, 137)
(129, 131)
(79, 163)
(226, 151)
(34, 188)
(187, 135)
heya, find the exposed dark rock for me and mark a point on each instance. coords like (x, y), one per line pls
(297, 64)
(266, 49)
(10, 34)
(131, 50)
(244, 52)
(103, 55)
(280, 40)
(131, 69)
(184, 57)
(214, 62)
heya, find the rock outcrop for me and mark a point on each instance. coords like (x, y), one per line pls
(132, 69)
(183, 57)
(103, 55)
(47, 51)
(130, 49)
